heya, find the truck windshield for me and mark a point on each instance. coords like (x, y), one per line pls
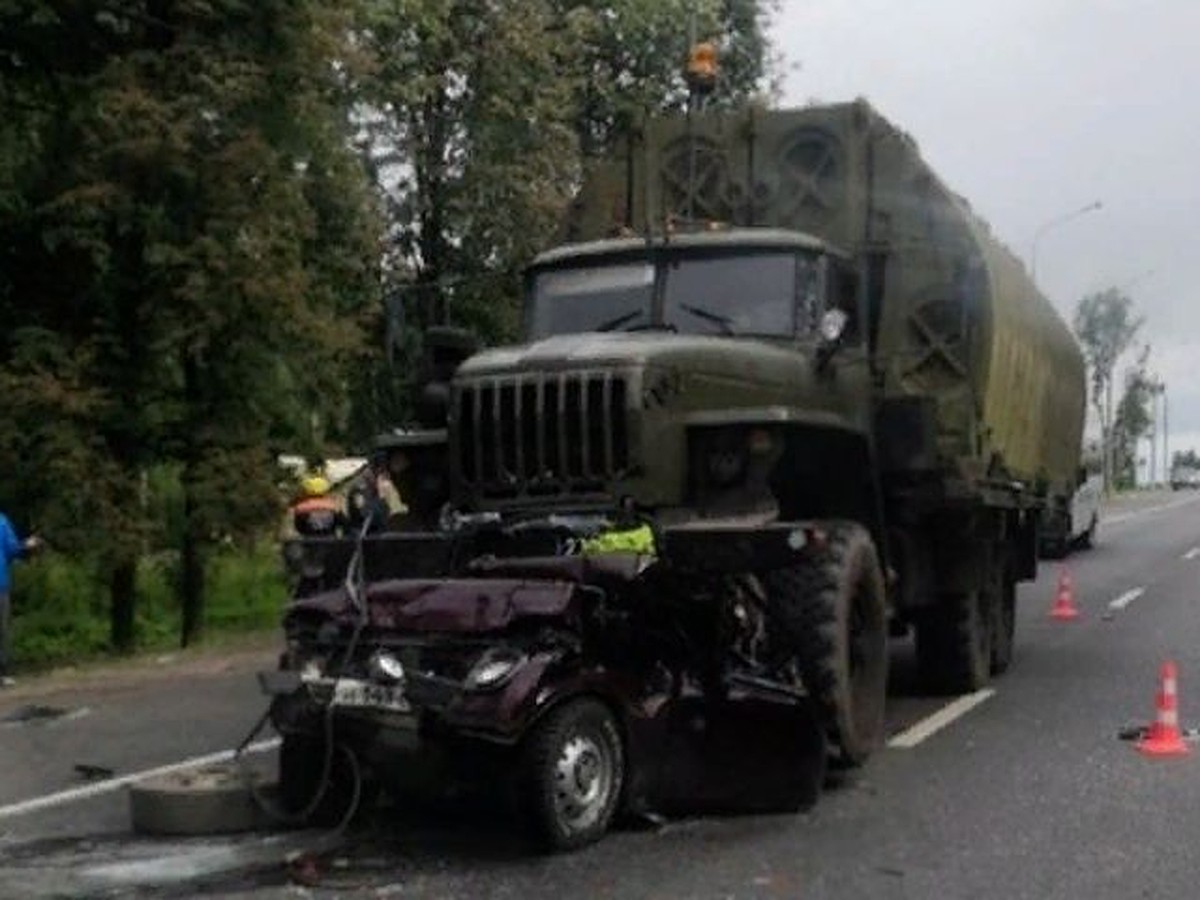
(592, 298)
(756, 293)
(767, 293)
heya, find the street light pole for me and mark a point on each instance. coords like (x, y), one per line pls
(1166, 451)
(1050, 225)
(1152, 473)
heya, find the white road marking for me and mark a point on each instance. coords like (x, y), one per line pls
(1192, 554)
(1126, 598)
(932, 724)
(111, 784)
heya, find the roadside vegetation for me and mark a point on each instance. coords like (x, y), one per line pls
(1107, 326)
(63, 617)
(223, 226)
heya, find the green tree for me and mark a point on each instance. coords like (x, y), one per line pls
(1106, 326)
(1185, 459)
(630, 55)
(478, 119)
(188, 273)
(1132, 420)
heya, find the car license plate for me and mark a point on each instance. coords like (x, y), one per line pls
(366, 695)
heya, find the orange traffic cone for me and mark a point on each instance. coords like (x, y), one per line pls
(1064, 598)
(1164, 738)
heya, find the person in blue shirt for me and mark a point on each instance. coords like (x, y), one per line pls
(11, 548)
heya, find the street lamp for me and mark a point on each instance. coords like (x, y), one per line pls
(1052, 224)
(1167, 450)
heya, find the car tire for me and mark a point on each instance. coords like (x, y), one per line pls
(1087, 540)
(301, 766)
(571, 775)
(216, 799)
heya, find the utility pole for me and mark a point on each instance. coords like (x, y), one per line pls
(1152, 473)
(1166, 448)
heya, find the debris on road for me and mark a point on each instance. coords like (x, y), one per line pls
(92, 773)
(214, 799)
(303, 870)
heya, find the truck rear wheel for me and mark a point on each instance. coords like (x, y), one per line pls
(830, 615)
(1004, 621)
(954, 642)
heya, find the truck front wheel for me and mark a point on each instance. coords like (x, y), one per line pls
(830, 616)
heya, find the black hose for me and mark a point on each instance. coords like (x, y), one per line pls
(282, 816)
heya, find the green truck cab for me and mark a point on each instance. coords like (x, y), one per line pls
(680, 374)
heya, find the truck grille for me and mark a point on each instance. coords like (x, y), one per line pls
(542, 434)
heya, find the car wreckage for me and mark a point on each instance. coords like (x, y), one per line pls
(653, 554)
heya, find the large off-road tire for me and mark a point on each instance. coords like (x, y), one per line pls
(1004, 620)
(571, 774)
(830, 615)
(954, 642)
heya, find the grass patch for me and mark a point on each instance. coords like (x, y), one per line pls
(60, 604)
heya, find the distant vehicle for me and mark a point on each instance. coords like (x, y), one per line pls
(1074, 524)
(1185, 477)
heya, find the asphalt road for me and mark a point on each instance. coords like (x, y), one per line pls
(1028, 793)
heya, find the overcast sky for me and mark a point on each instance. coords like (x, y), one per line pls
(1034, 108)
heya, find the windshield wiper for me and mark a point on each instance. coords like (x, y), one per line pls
(619, 320)
(708, 315)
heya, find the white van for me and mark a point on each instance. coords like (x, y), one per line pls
(1074, 526)
(1085, 511)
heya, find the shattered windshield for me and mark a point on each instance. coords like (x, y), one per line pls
(751, 293)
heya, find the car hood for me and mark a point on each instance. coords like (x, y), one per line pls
(446, 605)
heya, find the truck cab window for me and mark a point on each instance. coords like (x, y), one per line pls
(603, 297)
(734, 293)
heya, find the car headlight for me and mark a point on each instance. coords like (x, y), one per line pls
(385, 668)
(493, 669)
(312, 669)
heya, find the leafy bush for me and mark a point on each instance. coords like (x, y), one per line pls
(60, 603)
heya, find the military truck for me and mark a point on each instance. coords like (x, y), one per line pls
(779, 393)
(836, 336)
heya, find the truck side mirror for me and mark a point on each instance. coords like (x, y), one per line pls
(446, 348)
(832, 330)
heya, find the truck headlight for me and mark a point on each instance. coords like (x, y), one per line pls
(731, 456)
(725, 458)
(494, 668)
